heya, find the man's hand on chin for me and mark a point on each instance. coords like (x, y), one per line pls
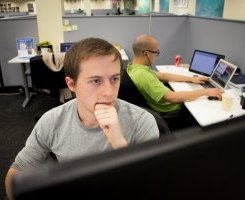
(108, 120)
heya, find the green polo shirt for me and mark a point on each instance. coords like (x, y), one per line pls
(151, 88)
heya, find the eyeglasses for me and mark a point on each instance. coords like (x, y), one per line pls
(151, 51)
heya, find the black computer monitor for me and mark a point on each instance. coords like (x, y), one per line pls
(64, 47)
(204, 62)
(195, 164)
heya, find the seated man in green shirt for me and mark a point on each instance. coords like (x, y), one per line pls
(151, 83)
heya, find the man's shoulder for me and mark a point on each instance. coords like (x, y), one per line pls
(61, 109)
(124, 104)
(126, 108)
(139, 71)
(133, 67)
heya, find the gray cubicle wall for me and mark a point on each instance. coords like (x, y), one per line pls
(177, 35)
(221, 36)
(10, 29)
(170, 30)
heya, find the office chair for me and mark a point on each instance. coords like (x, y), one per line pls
(129, 92)
(173, 120)
(44, 78)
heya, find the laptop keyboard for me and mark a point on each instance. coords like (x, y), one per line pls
(194, 86)
(208, 85)
(200, 86)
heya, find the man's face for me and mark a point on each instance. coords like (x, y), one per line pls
(154, 55)
(97, 83)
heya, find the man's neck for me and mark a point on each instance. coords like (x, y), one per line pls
(140, 61)
(87, 118)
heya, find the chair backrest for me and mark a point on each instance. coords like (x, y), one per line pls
(44, 78)
(130, 93)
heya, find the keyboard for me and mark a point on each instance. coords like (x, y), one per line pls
(207, 85)
(195, 86)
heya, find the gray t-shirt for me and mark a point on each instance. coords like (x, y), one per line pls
(60, 131)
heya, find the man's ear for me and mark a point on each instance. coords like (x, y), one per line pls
(145, 52)
(70, 83)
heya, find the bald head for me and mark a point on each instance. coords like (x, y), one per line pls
(143, 42)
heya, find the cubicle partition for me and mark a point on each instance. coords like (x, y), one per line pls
(176, 34)
(10, 30)
(170, 30)
(222, 36)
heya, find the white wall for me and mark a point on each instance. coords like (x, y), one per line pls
(234, 9)
(50, 30)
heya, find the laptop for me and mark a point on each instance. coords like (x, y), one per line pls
(221, 75)
(204, 62)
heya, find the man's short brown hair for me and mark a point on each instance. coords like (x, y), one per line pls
(83, 50)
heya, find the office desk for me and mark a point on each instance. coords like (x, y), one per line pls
(125, 58)
(123, 54)
(23, 62)
(205, 111)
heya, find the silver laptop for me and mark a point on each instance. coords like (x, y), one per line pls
(220, 76)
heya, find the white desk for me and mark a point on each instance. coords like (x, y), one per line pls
(23, 62)
(123, 54)
(125, 58)
(205, 111)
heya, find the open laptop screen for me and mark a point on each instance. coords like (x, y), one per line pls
(204, 62)
(223, 73)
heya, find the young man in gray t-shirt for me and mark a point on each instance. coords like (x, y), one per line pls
(95, 121)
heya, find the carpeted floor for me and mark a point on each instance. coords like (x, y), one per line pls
(16, 124)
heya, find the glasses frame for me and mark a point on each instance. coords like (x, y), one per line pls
(152, 51)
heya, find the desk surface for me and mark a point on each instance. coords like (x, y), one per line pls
(19, 60)
(123, 54)
(205, 111)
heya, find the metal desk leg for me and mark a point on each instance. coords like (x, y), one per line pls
(28, 95)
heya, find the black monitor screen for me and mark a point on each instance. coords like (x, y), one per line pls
(194, 163)
(204, 62)
(64, 47)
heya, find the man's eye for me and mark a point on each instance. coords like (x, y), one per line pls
(115, 79)
(96, 81)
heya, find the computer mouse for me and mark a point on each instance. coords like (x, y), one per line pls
(213, 98)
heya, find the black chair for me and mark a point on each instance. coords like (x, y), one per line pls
(129, 92)
(44, 78)
(173, 120)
